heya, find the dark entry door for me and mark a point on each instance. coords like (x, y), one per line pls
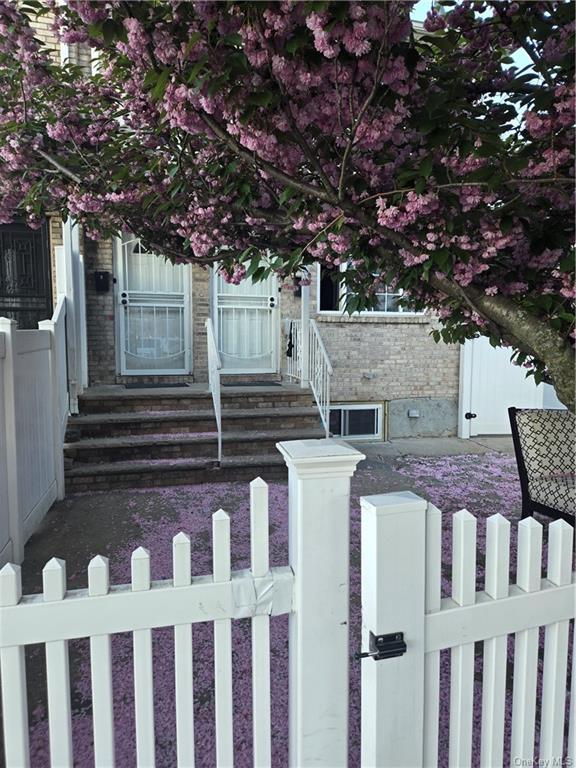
(25, 285)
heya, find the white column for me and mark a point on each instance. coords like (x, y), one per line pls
(305, 328)
(65, 284)
(319, 522)
(9, 329)
(393, 601)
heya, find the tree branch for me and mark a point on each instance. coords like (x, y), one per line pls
(59, 166)
(358, 120)
(551, 180)
(272, 170)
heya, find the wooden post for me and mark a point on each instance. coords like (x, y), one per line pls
(305, 336)
(319, 521)
(393, 601)
(9, 329)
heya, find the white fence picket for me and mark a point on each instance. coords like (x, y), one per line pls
(559, 572)
(259, 536)
(432, 659)
(528, 578)
(101, 672)
(143, 673)
(496, 649)
(222, 646)
(462, 656)
(58, 673)
(13, 679)
(183, 660)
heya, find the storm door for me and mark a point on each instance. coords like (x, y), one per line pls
(246, 324)
(25, 284)
(154, 308)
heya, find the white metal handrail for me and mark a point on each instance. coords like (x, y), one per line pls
(319, 367)
(294, 351)
(320, 372)
(214, 368)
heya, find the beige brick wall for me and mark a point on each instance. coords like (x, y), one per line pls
(387, 359)
(43, 31)
(100, 317)
(378, 358)
(201, 283)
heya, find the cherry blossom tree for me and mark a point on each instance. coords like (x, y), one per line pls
(272, 135)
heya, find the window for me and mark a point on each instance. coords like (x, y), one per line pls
(360, 421)
(332, 296)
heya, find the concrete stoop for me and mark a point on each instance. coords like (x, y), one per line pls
(147, 438)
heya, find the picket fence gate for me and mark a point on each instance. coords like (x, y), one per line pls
(402, 608)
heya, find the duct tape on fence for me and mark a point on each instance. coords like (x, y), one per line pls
(269, 595)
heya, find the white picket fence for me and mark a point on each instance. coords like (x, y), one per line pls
(33, 416)
(401, 592)
(401, 572)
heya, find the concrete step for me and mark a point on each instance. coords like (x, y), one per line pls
(164, 472)
(117, 400)
(193, 421)
(183, 445)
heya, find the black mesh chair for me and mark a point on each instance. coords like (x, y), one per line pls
(545, 447)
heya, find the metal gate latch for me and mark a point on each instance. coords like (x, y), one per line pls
(384, 646)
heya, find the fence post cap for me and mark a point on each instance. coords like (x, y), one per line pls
(393, 503)
(327, 454)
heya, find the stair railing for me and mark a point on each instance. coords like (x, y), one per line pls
(319, 366)
(294, 351)
(320, 372)
(214, 368)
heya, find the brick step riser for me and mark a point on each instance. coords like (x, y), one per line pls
(252, 423)
(178, 451)
(182, 404)
(184, 477)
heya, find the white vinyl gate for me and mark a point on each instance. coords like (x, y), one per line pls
(401, 592)
(405, 621)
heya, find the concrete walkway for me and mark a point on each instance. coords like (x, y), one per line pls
(435, 446)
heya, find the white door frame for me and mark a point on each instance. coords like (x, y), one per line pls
(275, 328)
(120, 324)
(465, 390)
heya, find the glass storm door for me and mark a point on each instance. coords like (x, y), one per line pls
(247, 325)
(153, 295)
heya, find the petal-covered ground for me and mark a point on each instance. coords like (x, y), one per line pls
(116, 523)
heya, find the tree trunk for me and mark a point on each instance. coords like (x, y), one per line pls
(537, 336)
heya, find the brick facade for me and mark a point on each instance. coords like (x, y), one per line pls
(375, 358)
(100, 315)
